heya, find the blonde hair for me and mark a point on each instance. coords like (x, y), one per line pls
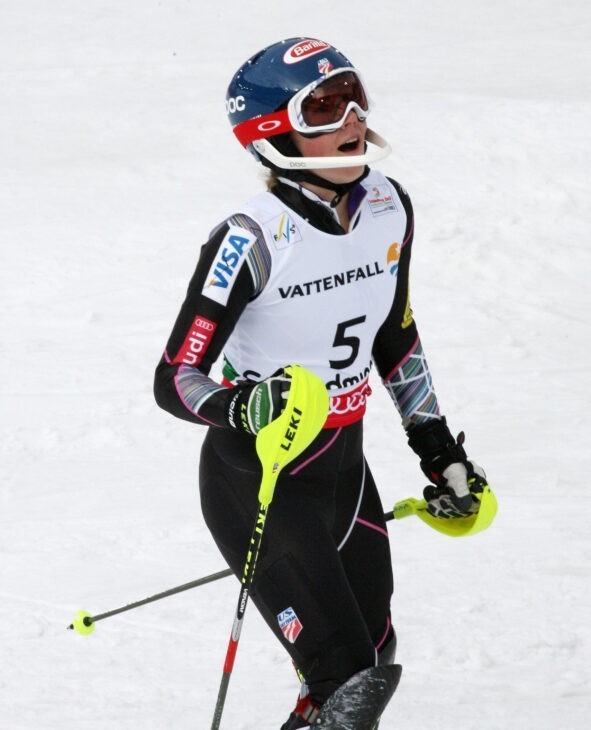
(271, 179)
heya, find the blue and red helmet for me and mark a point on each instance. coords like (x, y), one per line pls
(303, 85)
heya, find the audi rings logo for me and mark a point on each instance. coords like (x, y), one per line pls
(269, 126)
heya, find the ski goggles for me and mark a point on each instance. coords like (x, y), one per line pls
(323, 105)
(320, 107)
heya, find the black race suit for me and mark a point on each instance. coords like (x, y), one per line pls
(323, 581)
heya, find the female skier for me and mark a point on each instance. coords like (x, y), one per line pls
(312, 271)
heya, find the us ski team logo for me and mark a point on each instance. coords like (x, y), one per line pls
(289, 624)
(227, 263)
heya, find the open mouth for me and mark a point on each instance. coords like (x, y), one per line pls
(350, 145)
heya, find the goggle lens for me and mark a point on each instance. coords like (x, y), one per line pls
(328, 102)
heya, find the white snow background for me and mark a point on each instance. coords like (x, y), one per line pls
(116, 160)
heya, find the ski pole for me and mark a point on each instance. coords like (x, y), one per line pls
(455, 526)
(83, 623)
(277, 444)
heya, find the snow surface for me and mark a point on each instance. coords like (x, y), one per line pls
(116, 161)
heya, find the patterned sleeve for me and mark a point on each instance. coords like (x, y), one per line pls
(397, 350)
(233, 269)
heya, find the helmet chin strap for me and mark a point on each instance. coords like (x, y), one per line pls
(283, 154)
(340, 189)
(283, 157)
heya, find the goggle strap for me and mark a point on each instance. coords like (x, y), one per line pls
(261, 127)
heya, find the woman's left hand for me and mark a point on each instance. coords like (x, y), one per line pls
(458, 492)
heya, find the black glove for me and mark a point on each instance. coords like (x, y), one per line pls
(252, 406)
(459, 481)
(462, 494)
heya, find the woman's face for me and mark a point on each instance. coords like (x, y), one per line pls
(349, 141)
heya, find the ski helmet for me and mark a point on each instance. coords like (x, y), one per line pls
(299, 84)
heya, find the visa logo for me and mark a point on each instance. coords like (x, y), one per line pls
(227, 261)
(230, 257)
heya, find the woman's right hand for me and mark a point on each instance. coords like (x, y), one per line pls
(252, 406)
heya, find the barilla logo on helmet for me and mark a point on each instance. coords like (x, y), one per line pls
(304, 49)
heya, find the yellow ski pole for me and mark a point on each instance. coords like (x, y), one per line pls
(453, 526)
(277, 444)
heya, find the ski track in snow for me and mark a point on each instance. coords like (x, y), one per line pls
(116, 162)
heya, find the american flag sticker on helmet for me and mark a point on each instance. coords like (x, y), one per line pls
(289, 624)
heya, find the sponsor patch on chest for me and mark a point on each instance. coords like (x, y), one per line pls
(283, 231)
(333, 281)
(380, 200)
